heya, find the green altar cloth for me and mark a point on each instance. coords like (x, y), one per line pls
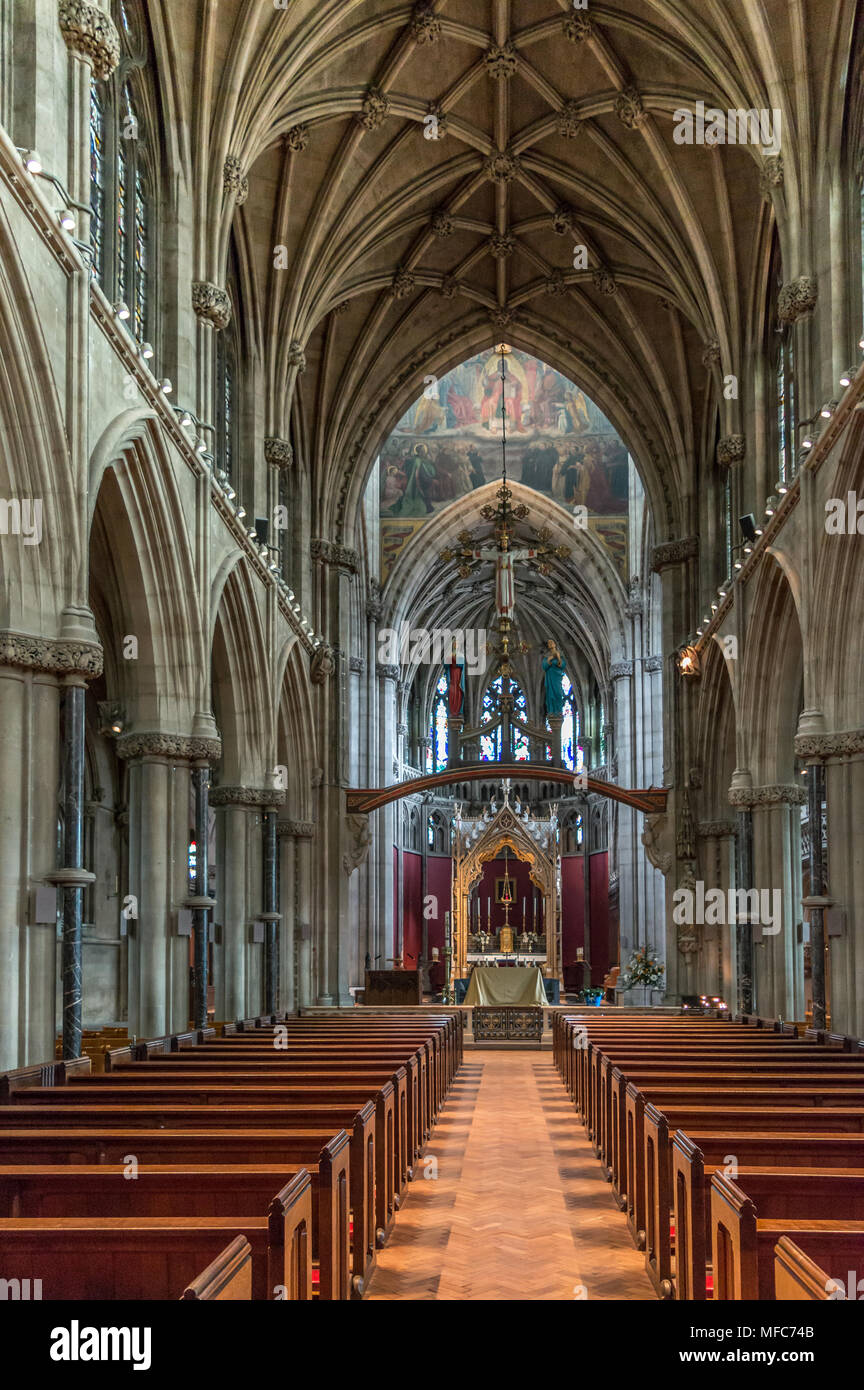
(519, 985)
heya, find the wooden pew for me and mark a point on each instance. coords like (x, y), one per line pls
(798, 1277)
(316, 1149)
(359, 1123)
(103, 1190)
(267, 1069)
(340, 1058)
(228, 1279)
(694, 1158)
(381, 1165)
(120, 1257)
(743, 1244)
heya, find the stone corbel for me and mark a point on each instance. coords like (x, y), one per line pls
(359, 838)
(90, 33)
(657, 839)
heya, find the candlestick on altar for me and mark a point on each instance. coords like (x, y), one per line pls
(523, 914)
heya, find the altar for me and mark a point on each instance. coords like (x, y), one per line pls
(513, 986)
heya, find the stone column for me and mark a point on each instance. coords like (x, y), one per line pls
(93, 44)
(271, 915)
(717, 964)
(842, 892)
(385, 819)
(200, 901)
(31, 669)
(159, 815)
(622, 676)
(303, 833)
(213, 311)
(770, 822)
(240, 993)
(288, 942)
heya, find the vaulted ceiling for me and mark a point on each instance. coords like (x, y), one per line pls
(420, 174)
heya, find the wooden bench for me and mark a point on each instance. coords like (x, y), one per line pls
(103, 1190)
(322, 1153)
(404, 1079)
(743, 1245)
(798, 1277)
(696, 1155)
(121, 1257)
(228, 1279)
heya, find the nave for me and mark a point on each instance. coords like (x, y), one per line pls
(517, 1208)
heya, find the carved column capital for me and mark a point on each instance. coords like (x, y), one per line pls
(59, 657)
(235, 181)
(671, 553)
(848, 743)
(772, 795)
(90, 33)
(295, 829)
(797, 298)
(385, 672)
(279, 453)
(731, 449)
(211, 304)
(246, 796)
(619, 669)
(179, 747)
(331, 553)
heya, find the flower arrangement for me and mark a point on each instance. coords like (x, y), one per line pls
(645, 968)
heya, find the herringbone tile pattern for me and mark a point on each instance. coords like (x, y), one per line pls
(518, 1210)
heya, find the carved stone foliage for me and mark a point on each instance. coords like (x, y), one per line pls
(563, 218)
(374, 602)
(297, 355)
(62, 658)
(502, 167)
(387, 672)
(179, 746)
(278, 452)
(323, 665)
(211, 304)
(654, 663)
(234, 181)
(555, 285)
(731, 450)
(442, 223)
(441, 124)
(674, 553)
(450, 287)
(331, 553)
(849, 743)
(375, 109)
(779, 794)
(90, 33)
(295, 829)
(246, 796)
(358, 838)
(503, 317)
(604, 281)
(715, 829)
(403, 283)
(797, 298)
(619, 669)
(578, 28)
(772, 174)
(297, 138)
(424, 25)
(501, 62)
(629, 108)
(502, 245)
(711, 353)
(568, 120)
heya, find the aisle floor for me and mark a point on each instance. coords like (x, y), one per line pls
(509, 1202)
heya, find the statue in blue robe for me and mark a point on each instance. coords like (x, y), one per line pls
(554, 673)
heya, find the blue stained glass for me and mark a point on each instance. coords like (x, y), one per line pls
(436, 754)
(97, 179)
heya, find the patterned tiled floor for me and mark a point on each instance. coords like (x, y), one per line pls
(518, 1209)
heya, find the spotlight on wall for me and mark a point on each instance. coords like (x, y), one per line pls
(828, 409)
(112, 718)
(31, 161)
(241, 512)
(748, 526)
(185, 420)
(688, 662)
(121, 310)
(67, 219)
(147, 351)
(201, 447)
(166, 385)
(861, 343)
(782, 488)
(771, 505)
(847, 376)
(229, 492)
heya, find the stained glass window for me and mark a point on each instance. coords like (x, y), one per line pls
(572, 752)
(97, 180)
(228, 414)
(436, 753)
(140, 259)
(122, 192)
(490, 744)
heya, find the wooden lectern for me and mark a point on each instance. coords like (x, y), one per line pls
(393, 987)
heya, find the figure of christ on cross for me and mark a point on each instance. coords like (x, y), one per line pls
(505, 586)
